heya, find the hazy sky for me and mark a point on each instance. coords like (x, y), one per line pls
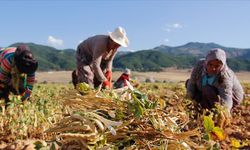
(64, 23)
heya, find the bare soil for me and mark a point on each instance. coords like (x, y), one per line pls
(169, 75)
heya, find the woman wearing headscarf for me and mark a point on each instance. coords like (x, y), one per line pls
(17, 71)
(213, 81)
(95, 57)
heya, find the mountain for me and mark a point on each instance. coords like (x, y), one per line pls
(200, 49)
(122, 53)
(50, 58)
(184, 56)
(150, 60)
(156, 59)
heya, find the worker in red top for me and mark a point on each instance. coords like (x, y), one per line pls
(123, 79)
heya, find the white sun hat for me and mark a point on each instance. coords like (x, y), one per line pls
(119, 36)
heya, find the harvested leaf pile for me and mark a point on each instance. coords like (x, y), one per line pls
(128, 118)
(154, 116)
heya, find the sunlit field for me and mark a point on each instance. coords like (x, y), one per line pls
(169, 75)
(150, 116)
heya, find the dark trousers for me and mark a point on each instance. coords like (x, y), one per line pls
(85, 73)
(4, 94)
(210, 96)
(75, 81)
(207, 97)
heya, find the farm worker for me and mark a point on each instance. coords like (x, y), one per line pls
(213, 81)
(123, 79)
(17, 71)
(95, 57)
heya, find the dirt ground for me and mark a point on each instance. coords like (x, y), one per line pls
(170, 75)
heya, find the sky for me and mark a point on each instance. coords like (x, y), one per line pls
(149, 23)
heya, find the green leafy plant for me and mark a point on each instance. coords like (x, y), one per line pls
(212, 132)
(140, 103)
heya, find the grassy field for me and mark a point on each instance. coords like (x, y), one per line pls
(171, 75)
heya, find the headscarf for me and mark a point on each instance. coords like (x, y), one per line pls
(213, 54)
(218, 54)
(24, 60)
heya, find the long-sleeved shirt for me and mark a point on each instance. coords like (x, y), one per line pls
(94, 52)
(7, 64)
(229, 89)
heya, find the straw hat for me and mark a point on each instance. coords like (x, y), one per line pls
(119, 36)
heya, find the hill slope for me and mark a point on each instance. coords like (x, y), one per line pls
(156, 59)
(149, 60)
(50, 58)
(201, 49)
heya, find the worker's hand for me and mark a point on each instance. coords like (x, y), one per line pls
(2, 86)
(26, 94)
(106, 84)
(108, 75)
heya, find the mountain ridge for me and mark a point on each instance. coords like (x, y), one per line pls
(200, 49)
(155, 59)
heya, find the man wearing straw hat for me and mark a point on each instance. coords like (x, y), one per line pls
(95, 57)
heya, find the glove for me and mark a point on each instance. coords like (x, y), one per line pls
(108, 75)
(106, 84)
(26, 94)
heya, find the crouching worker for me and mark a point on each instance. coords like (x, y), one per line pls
(213, 81)
(123, 80)
(95, 57)
(17, 72)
